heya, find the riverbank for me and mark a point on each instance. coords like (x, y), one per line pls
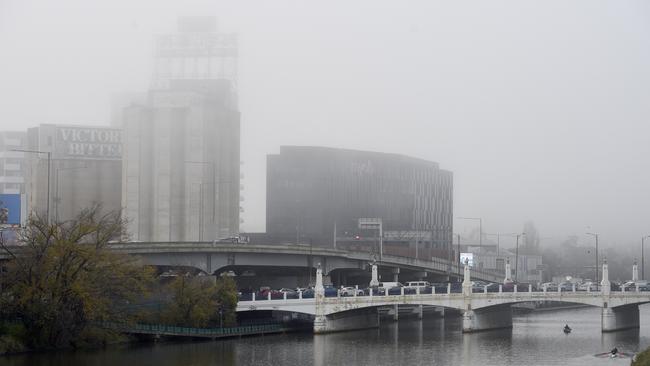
(642, 358)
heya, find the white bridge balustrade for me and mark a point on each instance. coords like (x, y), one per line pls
(482, 310)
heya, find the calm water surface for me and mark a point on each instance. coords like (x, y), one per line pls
(535, 339)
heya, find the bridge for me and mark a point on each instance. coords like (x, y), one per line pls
(215, 258)
(481, 311)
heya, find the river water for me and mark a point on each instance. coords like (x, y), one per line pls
(535, 339)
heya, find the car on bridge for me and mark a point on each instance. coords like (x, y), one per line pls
(351, 291)
(291, 293)
(631, 285)
(587, 286)
(423, 286)
(550, 286)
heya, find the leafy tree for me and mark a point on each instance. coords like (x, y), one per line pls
(62, 279)
(202, 302)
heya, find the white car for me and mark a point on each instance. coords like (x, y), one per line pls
(350, 291)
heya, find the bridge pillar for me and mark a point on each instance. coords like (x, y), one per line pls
(347, 320)
(620, 317)
(493, 317)
(395, 312)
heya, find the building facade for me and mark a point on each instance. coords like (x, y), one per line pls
(84, 169)
(12, 163)
(318, 195)
(181, 164)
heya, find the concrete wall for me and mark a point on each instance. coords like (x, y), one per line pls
(619, 318)
(494, 317)
(347, 320)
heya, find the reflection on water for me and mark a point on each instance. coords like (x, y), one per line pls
(536, 339)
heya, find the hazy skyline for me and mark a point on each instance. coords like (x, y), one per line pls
(540, 109)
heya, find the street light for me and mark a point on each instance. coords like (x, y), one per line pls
(49, 163)
(480, 228)
(517, 257)
(458, 253)
(596, 267)
(56, 192)
(643, 238)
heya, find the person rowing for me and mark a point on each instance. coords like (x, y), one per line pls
(567, 328)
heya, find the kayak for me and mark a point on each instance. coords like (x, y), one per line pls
(566, 331)
(617, 355)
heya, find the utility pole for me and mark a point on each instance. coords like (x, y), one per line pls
(517, 257)
(643, 238)
(596, 267)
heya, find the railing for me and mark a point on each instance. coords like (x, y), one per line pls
(439, 290)
(194, 332)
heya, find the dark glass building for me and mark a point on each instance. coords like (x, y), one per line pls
(318, 194)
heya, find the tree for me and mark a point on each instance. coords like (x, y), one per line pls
(62, 280)
(202, 302)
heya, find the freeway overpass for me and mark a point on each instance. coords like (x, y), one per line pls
(214, 258)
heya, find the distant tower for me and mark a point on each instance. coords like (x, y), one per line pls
(196, 52)
(181, 145)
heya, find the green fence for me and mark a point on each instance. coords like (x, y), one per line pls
(199, 332)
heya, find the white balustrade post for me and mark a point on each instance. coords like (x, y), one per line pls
(433, 290)
(300, 295)
(284, 296)
(544, 286)
(635, 272)
(500, 288)
(530, 287)
(515, 288)
(253, 296)
(573, 287)
(417, 291)
(370, 292)
(374, 281)
(268, 297)
(485, 289)
(467, 281)
(508, 278)
(319, 289)
(401, 290)
(448, 288)
(605, 286)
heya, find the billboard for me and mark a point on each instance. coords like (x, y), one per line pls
(467, 257)
(9, 209)
(88, 143)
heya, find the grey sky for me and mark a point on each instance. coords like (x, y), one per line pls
(541, 109)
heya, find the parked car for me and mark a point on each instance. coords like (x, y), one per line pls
(351, 291)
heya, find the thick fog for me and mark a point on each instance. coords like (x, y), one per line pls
(541, 109)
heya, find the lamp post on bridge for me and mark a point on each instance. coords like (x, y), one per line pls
(643, 238)
(517, 257)
(596, 267)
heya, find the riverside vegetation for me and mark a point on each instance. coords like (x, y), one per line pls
(62, 282)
